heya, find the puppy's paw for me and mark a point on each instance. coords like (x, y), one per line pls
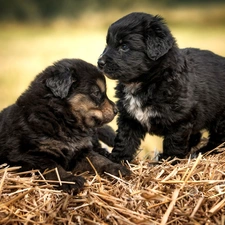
(162, 157)
(116, 169)
(75, 184)
(114, 157)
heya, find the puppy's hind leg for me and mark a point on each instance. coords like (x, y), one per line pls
(216, 136)
(178, 143)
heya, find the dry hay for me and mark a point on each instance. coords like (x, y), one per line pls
(191, 192)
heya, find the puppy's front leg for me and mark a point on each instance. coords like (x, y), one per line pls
(128, 139)
(77, 182)
(101, 164)
(177, 143)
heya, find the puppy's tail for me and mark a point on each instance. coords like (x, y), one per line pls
(107, 135)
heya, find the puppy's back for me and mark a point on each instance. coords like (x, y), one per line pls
(206, 73)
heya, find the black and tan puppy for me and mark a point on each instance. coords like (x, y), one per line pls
(54, 123)
(163, 90)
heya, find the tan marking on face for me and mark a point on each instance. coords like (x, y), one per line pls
(86, 111)
(81, 102)
(101, 85)
(81, 107)
(108, 111)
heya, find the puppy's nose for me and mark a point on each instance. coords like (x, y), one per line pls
(101, 63)
(115, 110)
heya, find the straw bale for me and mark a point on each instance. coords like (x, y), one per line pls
(190, 192)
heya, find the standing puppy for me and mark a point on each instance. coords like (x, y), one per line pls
(163, 90)
(56, 124)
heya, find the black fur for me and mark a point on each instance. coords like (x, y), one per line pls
(163, 90)
(53, 124)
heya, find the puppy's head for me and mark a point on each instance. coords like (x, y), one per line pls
(134, 44)
(81, 89)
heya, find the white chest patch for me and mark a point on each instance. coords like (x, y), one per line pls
(134, 107)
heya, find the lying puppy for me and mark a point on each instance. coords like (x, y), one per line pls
(163, 90)
(53, 124)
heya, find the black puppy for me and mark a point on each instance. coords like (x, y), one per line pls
(163, 90)
(53, 124)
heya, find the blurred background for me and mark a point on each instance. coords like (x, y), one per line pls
(36, 33)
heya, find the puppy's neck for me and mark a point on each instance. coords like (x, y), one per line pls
(132, 87)
(172, 59)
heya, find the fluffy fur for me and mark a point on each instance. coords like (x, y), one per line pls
(163, 90)
(54, 124)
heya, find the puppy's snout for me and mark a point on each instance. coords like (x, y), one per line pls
(101, 62)
(115, 110)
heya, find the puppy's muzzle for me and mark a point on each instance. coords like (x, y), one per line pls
(101, 62)
(115, 110)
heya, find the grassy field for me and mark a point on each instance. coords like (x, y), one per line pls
(27, 49)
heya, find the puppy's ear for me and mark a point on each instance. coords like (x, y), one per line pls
(60, 83)
(158, 38)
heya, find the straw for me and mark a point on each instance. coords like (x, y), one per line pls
(190, 192)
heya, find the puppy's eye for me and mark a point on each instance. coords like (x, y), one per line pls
(96, 94)
(124, 47)
(97, 97)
